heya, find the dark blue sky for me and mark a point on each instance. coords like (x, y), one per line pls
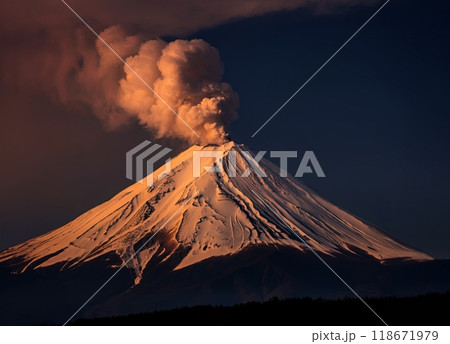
(377, 118)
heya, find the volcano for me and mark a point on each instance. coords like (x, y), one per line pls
(210, 239)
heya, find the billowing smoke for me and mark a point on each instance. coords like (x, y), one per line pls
(51, 54)
(188, 100)
(186, 75)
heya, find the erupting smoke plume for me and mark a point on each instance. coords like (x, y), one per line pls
(186, 75)
(52, 54)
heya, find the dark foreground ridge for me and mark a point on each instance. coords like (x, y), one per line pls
(51, 295)
(428, 309)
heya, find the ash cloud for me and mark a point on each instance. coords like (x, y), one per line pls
(187, 76)
(52, 54)
(184, 75)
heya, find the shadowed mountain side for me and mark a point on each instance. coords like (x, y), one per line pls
(255, 274)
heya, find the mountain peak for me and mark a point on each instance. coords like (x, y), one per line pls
(222, 217)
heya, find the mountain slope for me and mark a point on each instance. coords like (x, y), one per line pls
(223, 218)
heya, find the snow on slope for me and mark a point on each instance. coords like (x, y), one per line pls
(223, 218)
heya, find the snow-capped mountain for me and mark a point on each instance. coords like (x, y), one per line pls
(208, 216)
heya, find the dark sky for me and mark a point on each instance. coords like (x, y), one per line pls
(377, 118)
